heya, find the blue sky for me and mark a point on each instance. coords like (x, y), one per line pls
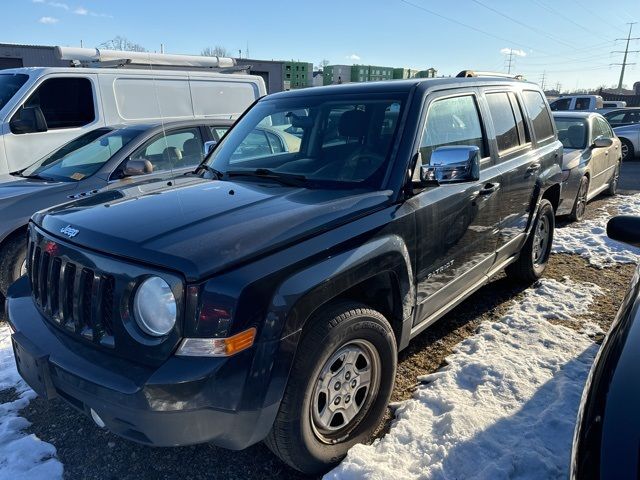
(569, 39)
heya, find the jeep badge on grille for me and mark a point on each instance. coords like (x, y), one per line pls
(69, 231)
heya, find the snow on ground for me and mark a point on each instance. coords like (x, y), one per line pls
(503, 407)
(22, 456)
(588, 238)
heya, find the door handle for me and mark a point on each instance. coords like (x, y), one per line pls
(534, 167)
(489, 188)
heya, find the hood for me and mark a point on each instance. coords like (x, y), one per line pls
(208, 225)
(14, 187)
(571, 158)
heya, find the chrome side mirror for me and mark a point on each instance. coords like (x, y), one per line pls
(625, 228)
(134, 167)
(454, 164)
(209, 146)
(602, 142)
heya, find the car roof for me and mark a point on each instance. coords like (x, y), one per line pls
(143, 126)
(574, 114)
(623, 109)
(401, 86)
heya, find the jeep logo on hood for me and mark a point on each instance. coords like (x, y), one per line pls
(69, 231)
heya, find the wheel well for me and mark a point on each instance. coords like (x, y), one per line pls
(382, 293)
(20, 231)
(553, 195)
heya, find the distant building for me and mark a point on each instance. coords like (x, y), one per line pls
(298, 74)
(14, 56)
(334, 74)
(280, 75)
(428, 73)
(404, 73)
(318, 78)
(370, 73)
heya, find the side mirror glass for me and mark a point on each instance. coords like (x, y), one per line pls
(602, 142)
(625, 228)
(209, 146)
(459, 163)
(28, 120)
(134, 167)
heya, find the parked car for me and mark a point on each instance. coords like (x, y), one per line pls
(607, 434)
(577, 102)
(613, 104)
(591, 160)
(268, 299)
(622, 117)
(629, 136)
(44, 108)
(102, 159)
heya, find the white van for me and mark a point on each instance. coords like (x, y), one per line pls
(587, 103)
(43, 108)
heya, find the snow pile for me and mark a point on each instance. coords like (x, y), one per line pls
(21, 456)
(588, 238)
(504, 406)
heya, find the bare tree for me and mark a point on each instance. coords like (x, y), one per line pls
(217, 51)
(122, 43)
(322, 64)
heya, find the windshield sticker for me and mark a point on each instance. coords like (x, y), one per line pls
(77, 176)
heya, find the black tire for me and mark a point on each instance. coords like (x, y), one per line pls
(628, 153)
(580, 203)
(531, 265)
(296, 436)
(613, 183)
(12, 258)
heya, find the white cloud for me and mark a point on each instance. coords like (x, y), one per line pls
(63, 6)
(81, 11)
(517, 53)
(353, 57)
(37, 1)
(48, 20)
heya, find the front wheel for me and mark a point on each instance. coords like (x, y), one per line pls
(613, 183)
(580, 205)
(627, 150)
(535, 254)
(13, 261)
(338, 389)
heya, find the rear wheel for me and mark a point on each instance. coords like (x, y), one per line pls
(626, 149)
(615, 178)
(580, 205)
(338, 389)
(534, 256)
(13, 261)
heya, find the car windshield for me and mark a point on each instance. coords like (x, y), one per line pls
(572, 132)
(327, 140)
(83, 156)
(10, 83)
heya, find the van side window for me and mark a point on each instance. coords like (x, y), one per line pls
(504, 121)
(540, 118)
(177, 149)
(452, 121)
(65, 102)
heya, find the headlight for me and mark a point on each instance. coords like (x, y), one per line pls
(154, 307)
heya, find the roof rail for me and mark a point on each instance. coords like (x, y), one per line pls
(94, 57)
(473, 73)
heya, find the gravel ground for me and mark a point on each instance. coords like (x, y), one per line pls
(88, 452)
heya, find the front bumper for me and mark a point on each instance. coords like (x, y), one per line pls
(184, 401)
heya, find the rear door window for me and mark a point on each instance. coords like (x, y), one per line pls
(452, 121)
(504, 121)
(65, 102)
(540, 118)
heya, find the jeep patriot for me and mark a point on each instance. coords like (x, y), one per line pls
(267, 294)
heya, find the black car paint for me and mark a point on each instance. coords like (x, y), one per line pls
(274, 254)
(607, 437)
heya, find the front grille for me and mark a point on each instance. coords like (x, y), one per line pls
(75, 297)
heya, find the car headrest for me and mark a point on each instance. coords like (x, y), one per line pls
(192, 147)
(171, 154)
(575, 135)
(353, 123)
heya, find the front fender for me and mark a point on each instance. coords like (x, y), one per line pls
(298, 297)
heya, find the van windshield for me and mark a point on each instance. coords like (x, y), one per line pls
(324, 140)
(10, 83)
(83, 156)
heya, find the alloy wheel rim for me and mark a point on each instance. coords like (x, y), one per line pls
(624, 149)
(541, 240)
(343, 389)
(23, 268)
(582, 199)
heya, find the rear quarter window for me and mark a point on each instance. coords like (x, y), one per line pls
(539, 114)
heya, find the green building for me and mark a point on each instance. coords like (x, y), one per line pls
(297, 75)
(370, 73)
(428, 73)
(404, 73)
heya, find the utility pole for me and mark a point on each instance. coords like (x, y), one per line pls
(626, 52)
(510, 60)
(542, 79)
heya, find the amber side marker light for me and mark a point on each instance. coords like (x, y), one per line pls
(217, 347)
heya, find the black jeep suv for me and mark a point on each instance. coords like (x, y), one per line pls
(266, 296)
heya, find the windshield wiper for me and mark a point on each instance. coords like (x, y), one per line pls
(217, 174)
(34, 176)
(284, 178)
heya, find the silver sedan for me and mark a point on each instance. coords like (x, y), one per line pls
(591, 160)
(630, 137)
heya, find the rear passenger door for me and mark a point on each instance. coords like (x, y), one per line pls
(456, 224)
(511, 147)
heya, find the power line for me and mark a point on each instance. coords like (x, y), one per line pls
(626, 52)
(568, 19)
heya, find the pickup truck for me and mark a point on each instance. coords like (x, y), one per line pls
(267, 295)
